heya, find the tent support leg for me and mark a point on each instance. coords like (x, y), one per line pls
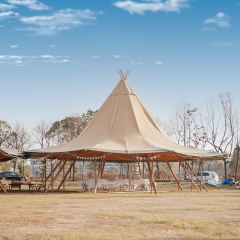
(99, 172)
(192, 174)
(152, 178)
(190, 178)
(201, 182)
(177, 180)
(2, 187)
(139, 169)
(51, 175)
(64, 177)
(55, 177)
(45, 172)
(200, 170)
(53, 170)
(102, 169)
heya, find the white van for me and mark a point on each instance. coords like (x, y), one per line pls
(206, 175)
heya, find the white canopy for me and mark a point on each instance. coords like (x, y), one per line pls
(123, 125)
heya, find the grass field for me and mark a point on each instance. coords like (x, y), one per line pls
(75, 215)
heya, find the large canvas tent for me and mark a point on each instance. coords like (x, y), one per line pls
(7, 154)
(123, 130)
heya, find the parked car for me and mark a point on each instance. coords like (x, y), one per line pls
(12, 176)
(206, 175)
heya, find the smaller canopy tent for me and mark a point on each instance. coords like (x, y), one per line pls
(124, 130)
(7, 154)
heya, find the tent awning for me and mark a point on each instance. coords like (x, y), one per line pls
(7, 154)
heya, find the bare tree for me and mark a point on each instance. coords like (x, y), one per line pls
(186, 127)
(5, 133)
(19, 139)
(40, 135)
(219, 125)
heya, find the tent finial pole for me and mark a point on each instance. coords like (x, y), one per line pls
(122, 75)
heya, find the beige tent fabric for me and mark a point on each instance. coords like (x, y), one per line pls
(123, 125)
(8, 153)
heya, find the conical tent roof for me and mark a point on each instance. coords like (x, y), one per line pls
(123, 125)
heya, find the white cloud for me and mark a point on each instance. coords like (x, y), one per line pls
(14, 46)
(221, 20)
(136, 63)
(48, 56)
(152, 6)
(4, 7)
(95, 56)
(8, 14)
(237, 4)
(58, 21)
(32, 4)
(159, 63)
(52, 46)
(1, 26)
(118, 56)
(18, 60)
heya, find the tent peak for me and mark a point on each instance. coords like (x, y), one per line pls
(122, 75)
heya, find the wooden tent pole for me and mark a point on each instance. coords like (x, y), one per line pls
(190, 178)
(192, 173)
(201, 182)
(45, 171)
(152, 178)
(55, 177)
(63, 172)
(65, 176)
(99, 172)
(201, 174)
(139, 169)
(143, 163)
(95, 169)
(2, 187)
(177, 180)
(102, 169)
(52, 174)
(53, 170)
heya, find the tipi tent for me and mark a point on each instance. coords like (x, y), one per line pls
(124, 130)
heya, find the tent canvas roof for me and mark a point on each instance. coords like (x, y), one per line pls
(8, 153)
(123, 125)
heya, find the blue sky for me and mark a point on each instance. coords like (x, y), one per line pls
(58, 58)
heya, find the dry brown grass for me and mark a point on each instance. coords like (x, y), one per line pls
(75, 215)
